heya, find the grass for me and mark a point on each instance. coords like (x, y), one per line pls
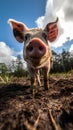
(63, 75)
(6, 79)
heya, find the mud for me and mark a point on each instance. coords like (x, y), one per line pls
(47, 110)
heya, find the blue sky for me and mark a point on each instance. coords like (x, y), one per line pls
(35, 13)
(26, 11)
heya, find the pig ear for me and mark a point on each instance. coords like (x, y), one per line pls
(52, 30)
(18, 29)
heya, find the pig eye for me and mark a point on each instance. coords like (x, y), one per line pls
(27, 36)
(44, 35)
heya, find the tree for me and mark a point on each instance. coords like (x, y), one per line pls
(3, 68)
(62, 62)
(20, 70)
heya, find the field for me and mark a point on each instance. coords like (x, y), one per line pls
(47, 110)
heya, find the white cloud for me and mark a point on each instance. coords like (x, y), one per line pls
(71, 48)
(20, 53)
(6, 53)
(40, 21)
(64, 10)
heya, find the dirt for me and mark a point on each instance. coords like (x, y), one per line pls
(46, 110)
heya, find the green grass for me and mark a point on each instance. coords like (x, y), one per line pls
(62, 75)
(6, 79)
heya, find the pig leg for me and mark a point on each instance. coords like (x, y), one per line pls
(35, 80)
(33, 85)
(46, 80)
(46, 71)
(38, 77)
(32, 73)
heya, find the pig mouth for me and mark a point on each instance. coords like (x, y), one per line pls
(37, 62)
(35, 58)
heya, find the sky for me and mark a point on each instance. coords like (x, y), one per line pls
(34, 13)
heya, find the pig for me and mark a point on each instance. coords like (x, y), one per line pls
(36, 52)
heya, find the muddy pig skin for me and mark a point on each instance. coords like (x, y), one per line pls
(36, 51)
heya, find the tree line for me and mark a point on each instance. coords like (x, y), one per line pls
(62, 62)
(15, 68)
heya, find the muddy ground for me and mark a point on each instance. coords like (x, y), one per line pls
(47, 110)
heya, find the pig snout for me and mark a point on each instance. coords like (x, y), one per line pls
(36, 48)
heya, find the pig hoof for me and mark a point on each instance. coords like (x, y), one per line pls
(46, 87)
(33, 91)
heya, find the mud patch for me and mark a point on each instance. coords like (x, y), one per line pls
(47, 110)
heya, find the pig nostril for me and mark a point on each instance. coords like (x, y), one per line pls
(40, 48)
(30, 49)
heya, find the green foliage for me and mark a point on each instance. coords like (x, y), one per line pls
(6, 79)
(20, 71)
(62, 62)
(3, 68)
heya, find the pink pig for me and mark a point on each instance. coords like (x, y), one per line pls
(36, 52)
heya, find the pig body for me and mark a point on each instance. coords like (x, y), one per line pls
(36, 51)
